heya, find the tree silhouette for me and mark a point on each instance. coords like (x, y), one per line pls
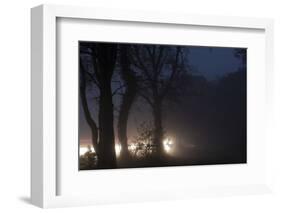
(130, 81)
(242, 55)
(83, 96)
(158, 68)
(103, 59)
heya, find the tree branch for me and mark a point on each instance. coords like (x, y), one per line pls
(173, 74)
(86, 110)
(116, 90)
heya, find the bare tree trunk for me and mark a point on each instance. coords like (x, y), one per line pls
(158, 128)
(128, 98)
(104, 58)
(87, 113)
(107, 157)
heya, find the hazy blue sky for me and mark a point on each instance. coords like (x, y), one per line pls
(213, 62)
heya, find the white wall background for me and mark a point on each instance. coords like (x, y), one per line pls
(15, 105)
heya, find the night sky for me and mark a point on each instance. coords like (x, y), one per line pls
(213, 62)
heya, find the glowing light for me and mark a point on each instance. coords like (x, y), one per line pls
(118, 149)
(85, 149)
(168, 145)
(132, 147)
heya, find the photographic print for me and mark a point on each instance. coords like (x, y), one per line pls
(154, 105)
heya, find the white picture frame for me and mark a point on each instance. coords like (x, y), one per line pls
(44, 153)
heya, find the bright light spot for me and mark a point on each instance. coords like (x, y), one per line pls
(85, 149)
(132, 147)
(168, 145)
(118, 149)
